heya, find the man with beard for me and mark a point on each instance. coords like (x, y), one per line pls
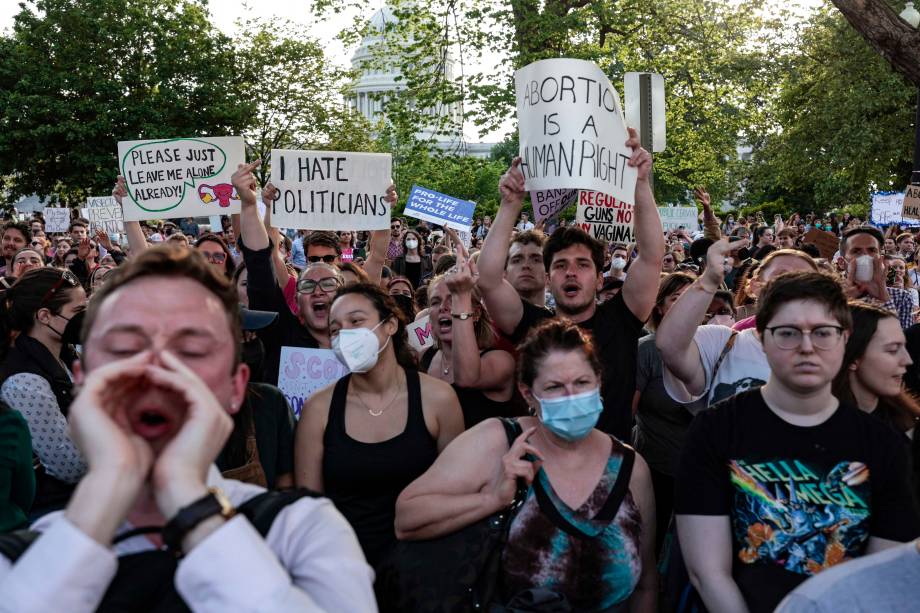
(574, 262)
(524, 269)
(160, 377)
(15, 237)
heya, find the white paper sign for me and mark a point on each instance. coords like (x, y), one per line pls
(887, 208)
(572, 133)
(56, 219)
(104, 213)
(673, 217)
(302, 371)
(331, 190)
(180, 177)
(419, 332)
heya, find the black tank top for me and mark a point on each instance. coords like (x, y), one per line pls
(364, 479)
(475, 404)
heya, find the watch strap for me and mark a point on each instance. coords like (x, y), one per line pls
(188, 517)
(461, 316)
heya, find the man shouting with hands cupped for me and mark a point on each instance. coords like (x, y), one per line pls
(160, 376)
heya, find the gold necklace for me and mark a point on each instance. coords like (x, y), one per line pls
(380, 412)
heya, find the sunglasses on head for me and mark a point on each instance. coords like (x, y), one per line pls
(325, 259)
(327, 284)
(66, 277)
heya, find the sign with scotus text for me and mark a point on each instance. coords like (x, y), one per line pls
(303, 371)
(572, 133)
(331, 190)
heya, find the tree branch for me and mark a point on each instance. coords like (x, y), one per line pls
(887, 33)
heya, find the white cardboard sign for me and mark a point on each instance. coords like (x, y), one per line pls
(57, 219)
(180, 177)
(331, 190)
(605, 218)
(104, 213)
(572, 132)
(420, 337)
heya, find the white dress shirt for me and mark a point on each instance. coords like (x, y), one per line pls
(309, 561)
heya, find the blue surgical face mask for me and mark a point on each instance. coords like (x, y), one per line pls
(572, 417)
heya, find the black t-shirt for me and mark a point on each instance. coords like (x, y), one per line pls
(616, 333)
(800, 499)
(265, 295)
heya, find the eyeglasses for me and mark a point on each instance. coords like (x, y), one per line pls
(66, 277)
(790, 337)
(215, 257)
(327, 284)
(395, 227)
(325, 259)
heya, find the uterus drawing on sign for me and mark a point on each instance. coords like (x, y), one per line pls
(222, 192)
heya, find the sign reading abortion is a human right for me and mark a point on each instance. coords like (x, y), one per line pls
(331, 190)
(444, 210)
(572, 133)
(180, 177)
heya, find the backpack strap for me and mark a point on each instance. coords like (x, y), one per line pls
(261, 510)
(727, 348)
(607, 512)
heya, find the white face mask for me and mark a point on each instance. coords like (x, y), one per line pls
(412, 243)
(358, 348)
(618, 263)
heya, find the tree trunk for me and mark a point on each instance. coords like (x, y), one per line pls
(888, 34)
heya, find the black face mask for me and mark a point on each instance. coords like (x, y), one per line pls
(71, 333)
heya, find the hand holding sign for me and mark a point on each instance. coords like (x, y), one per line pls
(120, 191)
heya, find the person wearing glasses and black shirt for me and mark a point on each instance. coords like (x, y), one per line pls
(44, 311)
(779, 483)
(315, 287)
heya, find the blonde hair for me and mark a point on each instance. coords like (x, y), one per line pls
(485, 333)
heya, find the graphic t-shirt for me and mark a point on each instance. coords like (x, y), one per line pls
(744, 367)
(616, 333)
(800, 499)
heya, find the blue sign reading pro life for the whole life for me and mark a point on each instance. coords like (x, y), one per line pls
(439, 208)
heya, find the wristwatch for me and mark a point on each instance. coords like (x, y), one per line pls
(214, 503)
(461, 316)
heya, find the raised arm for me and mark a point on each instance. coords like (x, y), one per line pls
(494, 370)
(500, 297)
(674, 337)
(641, 284)
(278, 266)
(706, 544)
(455, 239)
(379, 241)
(137, 242)
(711, 225)
(252, 229)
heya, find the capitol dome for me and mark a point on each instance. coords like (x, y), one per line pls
(375, 82)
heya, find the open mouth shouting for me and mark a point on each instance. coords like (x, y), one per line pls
(570, 289)
(444, 324)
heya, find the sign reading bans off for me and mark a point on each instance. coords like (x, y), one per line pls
(605, 217)
(572, 133)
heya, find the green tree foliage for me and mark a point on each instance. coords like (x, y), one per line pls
(843, 125)
(297, 94)
(76, 77)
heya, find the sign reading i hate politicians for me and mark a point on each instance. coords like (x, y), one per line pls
(180, 177)
(331, 190)
(571, 129)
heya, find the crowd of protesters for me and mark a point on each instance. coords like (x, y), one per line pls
(711, 420)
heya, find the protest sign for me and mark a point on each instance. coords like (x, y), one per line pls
(439, 208)
(605, 218)
(826, 242)
(104, 214)
(419, 332)
(331, 190)
(549, 203)
(180, 177)
(216, 225)
(56, 219)
(302, 371)
(572, 133)
(911, 209)
(886, 209)
(348, 255)
(673, 217)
